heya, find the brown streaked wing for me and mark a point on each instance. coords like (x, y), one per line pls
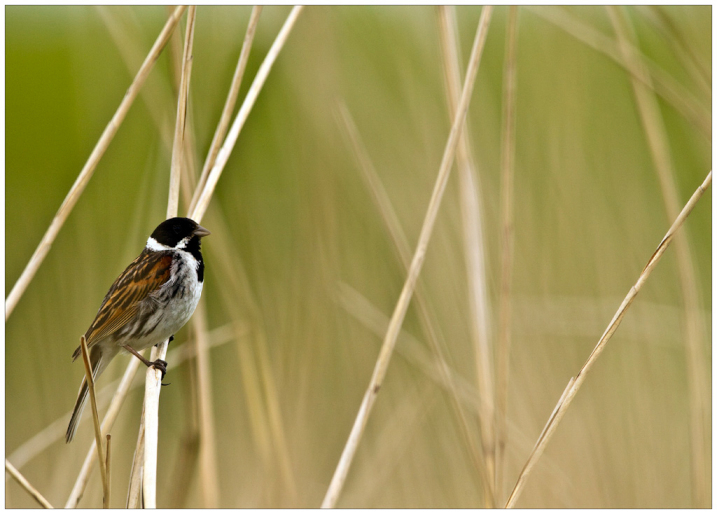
(146, 274)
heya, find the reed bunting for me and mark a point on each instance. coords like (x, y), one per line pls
(152, 299)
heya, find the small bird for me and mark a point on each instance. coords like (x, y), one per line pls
(152, 299)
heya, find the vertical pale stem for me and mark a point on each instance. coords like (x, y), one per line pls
(154, 376)
(228, 104)
(110, 417)
(177, 356)
(506, 267)
(188, 176)
(96, 421)
(474, 253)
(399, 313)
(223, 155)
(205, 190)
(208, 476)
(178, 147)
(108, 461)
(207, 449)
(403, 250)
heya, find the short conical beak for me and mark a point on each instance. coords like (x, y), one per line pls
(201, 231)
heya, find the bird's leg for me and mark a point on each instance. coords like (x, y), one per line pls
(158, 364)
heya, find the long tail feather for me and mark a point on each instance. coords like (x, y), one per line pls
(96, 362)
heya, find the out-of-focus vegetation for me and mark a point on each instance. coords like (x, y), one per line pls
(300, 256)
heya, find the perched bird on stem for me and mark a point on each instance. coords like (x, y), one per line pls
(151, 300)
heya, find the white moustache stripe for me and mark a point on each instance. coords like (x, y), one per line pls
(153, 245)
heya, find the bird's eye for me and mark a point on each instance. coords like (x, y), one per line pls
(176, 228)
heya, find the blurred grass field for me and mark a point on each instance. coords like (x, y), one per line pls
(300, 256)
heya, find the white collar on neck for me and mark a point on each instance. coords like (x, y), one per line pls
(154, 245)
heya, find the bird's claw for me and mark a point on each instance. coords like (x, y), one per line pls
(161, 366)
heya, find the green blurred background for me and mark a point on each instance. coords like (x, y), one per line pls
(296, 237)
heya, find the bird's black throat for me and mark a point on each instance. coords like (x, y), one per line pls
(194, 247)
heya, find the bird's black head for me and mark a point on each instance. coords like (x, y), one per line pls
(172, 231)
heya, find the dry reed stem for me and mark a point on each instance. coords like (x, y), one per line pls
(55, 431)
(110, 417)
(575, 383)
(155, 101)
(263, 407)
(225, 151)
(178, 355)
(200, 376)
(260, 392)
(96, 420)
(228, 104)
(507, 173)
(207, 449)
(188, 178)
(108, 460)
(542, 440)
(679, 46)
(207, 190)
(412, 350)
(131, 55)
(153, 375)
(179, 127)
(403, 251)
(88, 169)
(208, 474)
(267, 426)
(399, 313)
(134, 491)
(664, 85)
(375, 186)
(151, 425)
(658, 142)
(175, 62)
(397, 437)
(474, 251)
(25, 484)
(237, 290)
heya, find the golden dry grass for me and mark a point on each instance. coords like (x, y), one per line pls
(302, 269)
